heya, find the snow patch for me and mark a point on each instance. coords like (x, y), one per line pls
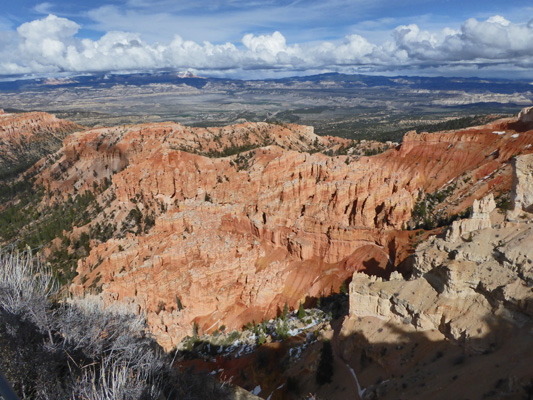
(499, 132)
(359, 389)
(488, 176)
(212, 326)
(515, 135)
(257, 390)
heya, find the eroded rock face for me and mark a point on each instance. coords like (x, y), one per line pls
(522, 187)
(480, 219)
(25, 138)
(526, 115)
(461, 287)
(237, 237)
(234, 244)
(464, 287)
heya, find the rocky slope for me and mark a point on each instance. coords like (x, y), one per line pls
(25, 138)
(222, 226)
(470, 288)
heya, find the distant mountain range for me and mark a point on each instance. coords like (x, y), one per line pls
(353, 106)
(507, 86)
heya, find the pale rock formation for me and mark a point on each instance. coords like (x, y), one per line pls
(462, 288)
(526, 115)
(459, 288)
(480, 219)
(522, 186)
(397, 300)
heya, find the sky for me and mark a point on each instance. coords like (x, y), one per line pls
(268, 38)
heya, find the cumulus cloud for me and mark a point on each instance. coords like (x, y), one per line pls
(51, 44)
(495, 39)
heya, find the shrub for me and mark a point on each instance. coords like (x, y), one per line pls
(261, 339)
(25, 284)
(234, 336)
(78, 349)
(282, 330)
(343, 289)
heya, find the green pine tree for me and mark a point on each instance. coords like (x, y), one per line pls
(285, 311)
(301, 312)
(178, 303)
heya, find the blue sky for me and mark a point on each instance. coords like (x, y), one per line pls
(270, 37)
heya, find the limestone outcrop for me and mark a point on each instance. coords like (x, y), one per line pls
(480, 219)
(460, 289)
(522, 186)
(460, 286)
(526, 115)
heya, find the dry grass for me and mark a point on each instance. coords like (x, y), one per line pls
(80, 349)
(25, 283)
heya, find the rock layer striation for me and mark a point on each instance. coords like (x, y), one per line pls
(26, 137)
(223, 226)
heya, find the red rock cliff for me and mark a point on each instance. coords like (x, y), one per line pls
(236, 237)
(26, 137)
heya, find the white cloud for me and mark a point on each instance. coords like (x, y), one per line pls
(43, 8)
(493, 40)
(51, 45)
(228, 20)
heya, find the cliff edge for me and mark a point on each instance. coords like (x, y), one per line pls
(468, 303)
